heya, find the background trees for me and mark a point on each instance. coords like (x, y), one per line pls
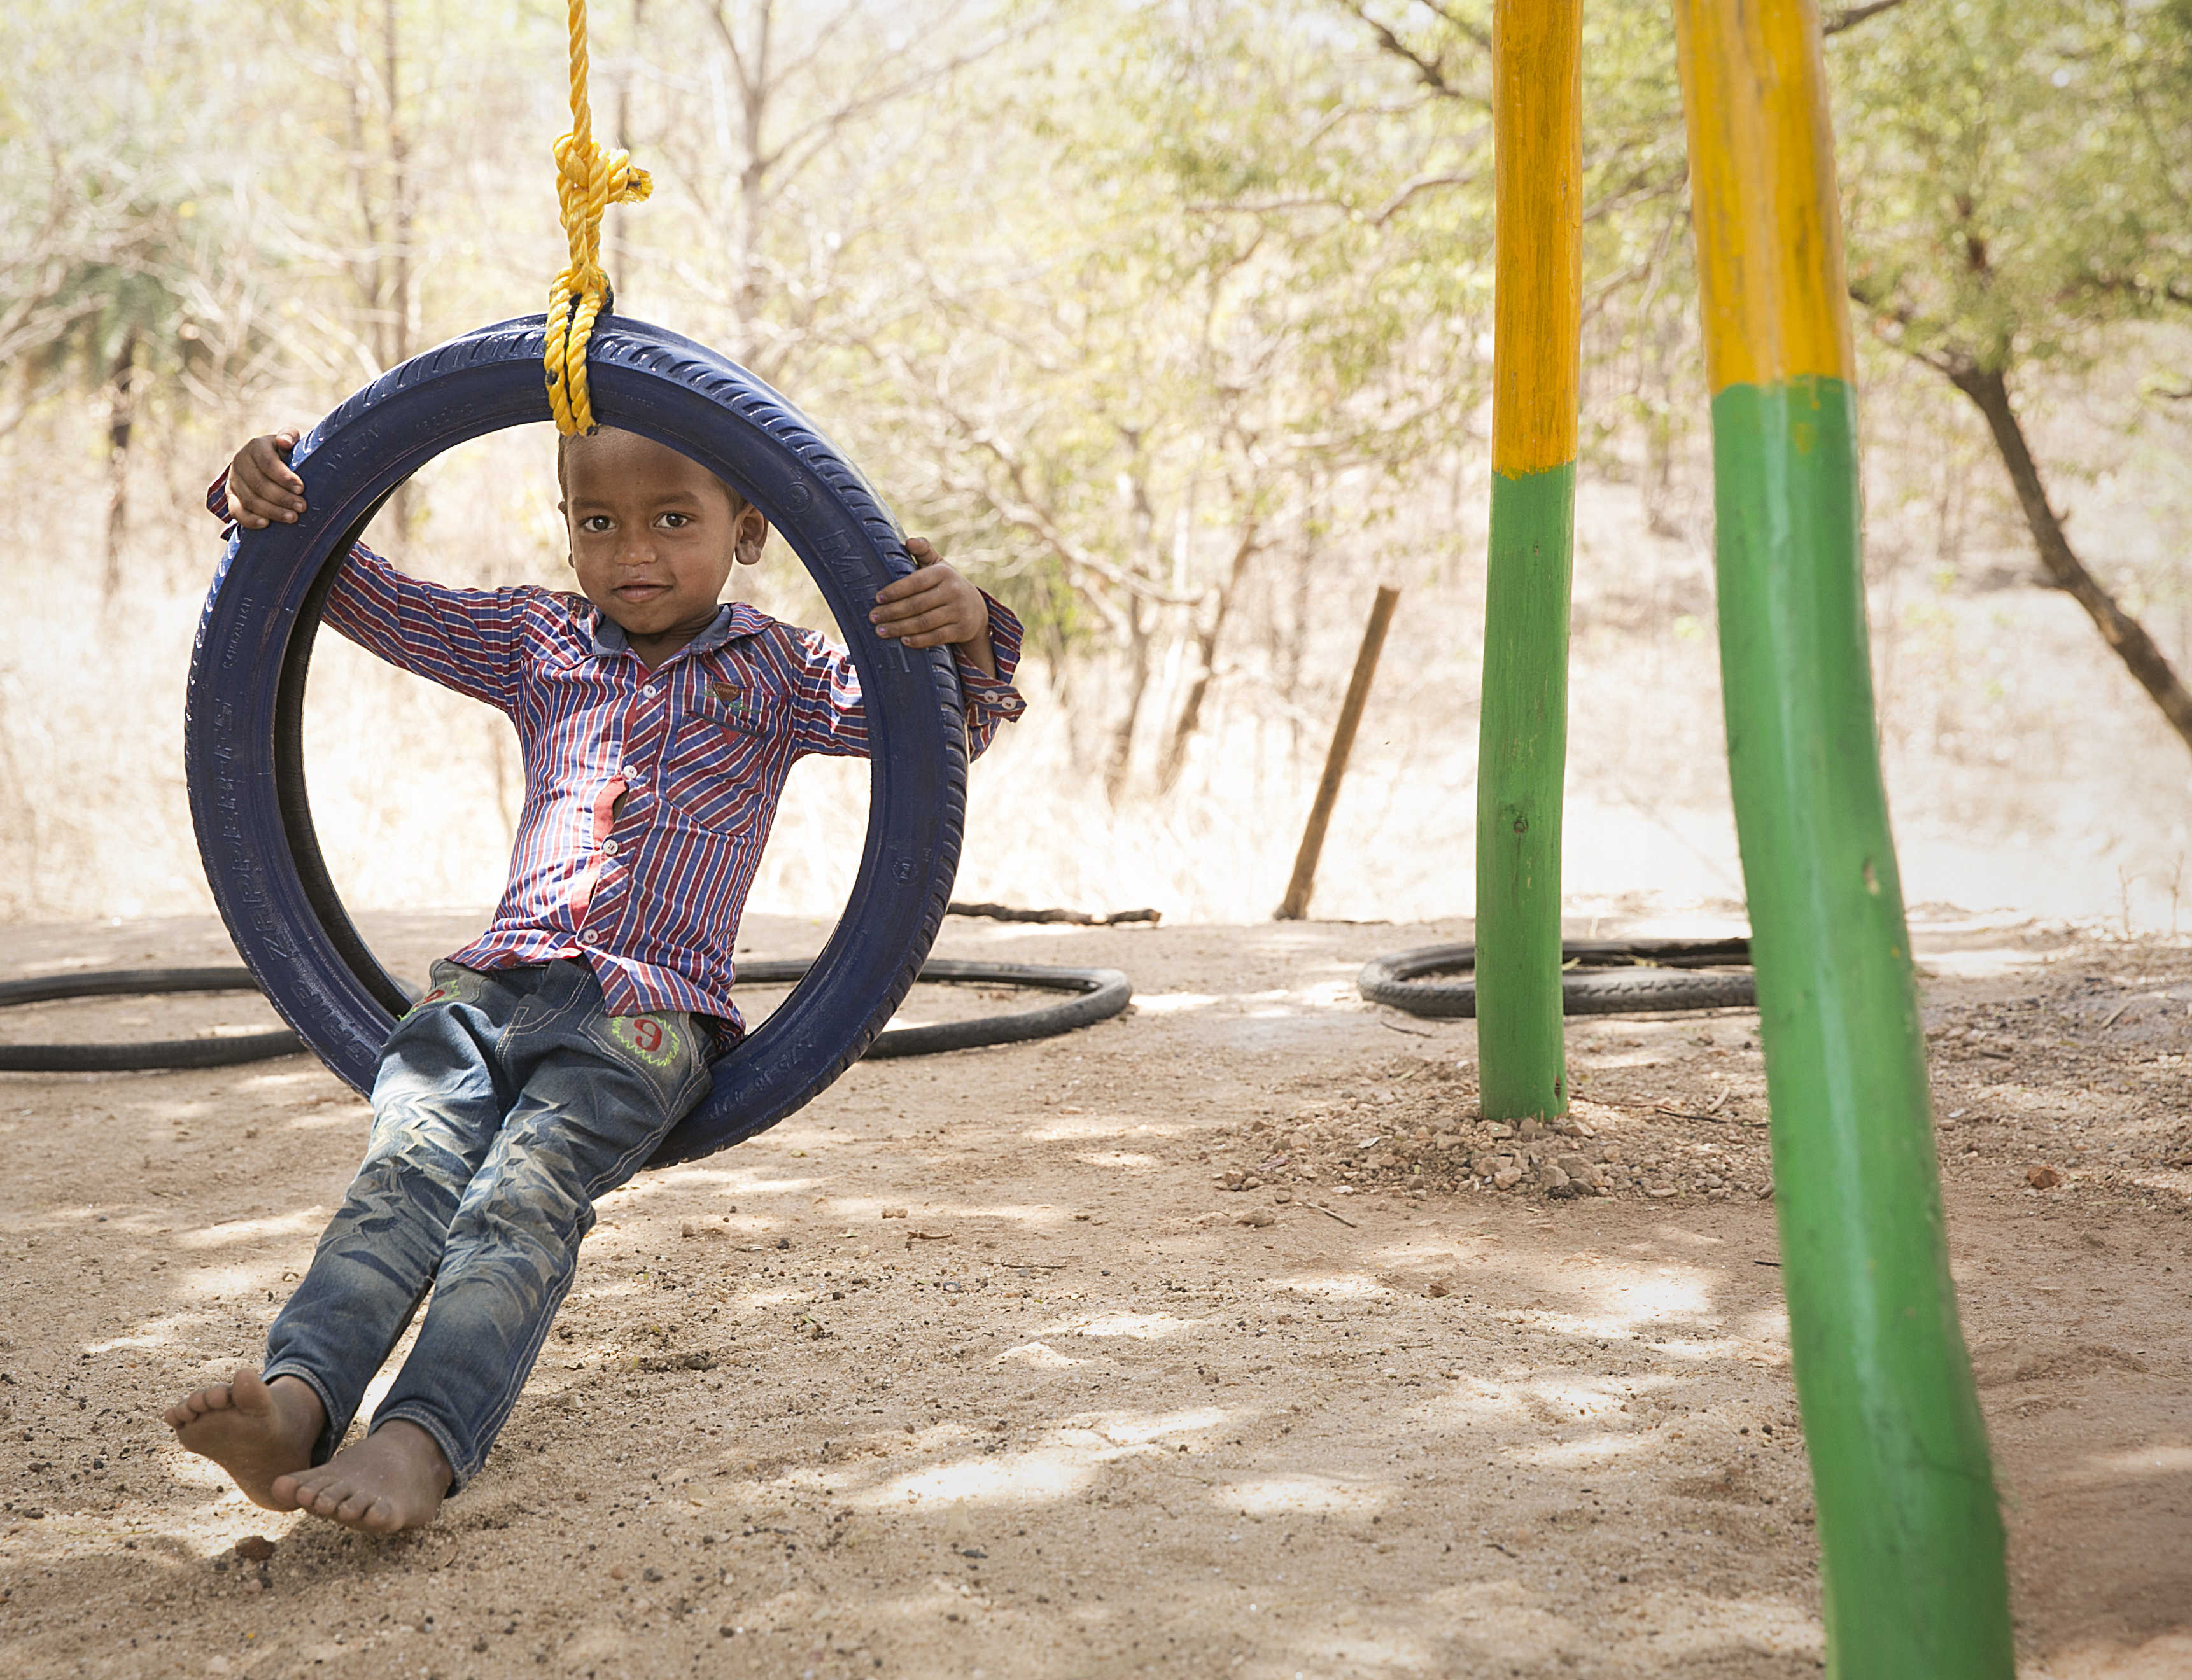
(1173, 322)
(2018, 184)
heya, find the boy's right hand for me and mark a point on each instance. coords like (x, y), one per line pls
(261, 488)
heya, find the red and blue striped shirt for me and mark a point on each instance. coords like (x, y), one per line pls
(649, 794)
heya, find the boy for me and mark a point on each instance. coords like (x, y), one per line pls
(554, 1051)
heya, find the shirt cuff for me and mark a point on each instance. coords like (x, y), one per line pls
(217, 502)
(996, 694)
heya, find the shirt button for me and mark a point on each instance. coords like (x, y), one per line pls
(608, 848)
(590, 937)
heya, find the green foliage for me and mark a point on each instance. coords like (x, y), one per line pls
(1117, 300)
(1204, 305)
(97, 253)
(2016, 173)
(1640, 329)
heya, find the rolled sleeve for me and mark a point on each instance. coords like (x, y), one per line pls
(992, 700)
(830, 718)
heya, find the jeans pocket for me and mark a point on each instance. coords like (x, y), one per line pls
(668, 1048)
(451, 984)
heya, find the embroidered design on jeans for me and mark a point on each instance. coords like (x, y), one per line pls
(653, 1041)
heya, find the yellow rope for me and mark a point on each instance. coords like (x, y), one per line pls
(588, 180)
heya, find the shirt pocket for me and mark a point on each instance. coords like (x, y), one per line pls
(719, 763)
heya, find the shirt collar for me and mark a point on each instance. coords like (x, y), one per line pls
(610, 640)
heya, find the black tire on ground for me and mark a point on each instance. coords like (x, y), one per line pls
(123, 1058)
(1100, 994)
(1097, 994)
(1631, 977)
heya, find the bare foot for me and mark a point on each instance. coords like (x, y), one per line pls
(392, 1479)
(258, 1432)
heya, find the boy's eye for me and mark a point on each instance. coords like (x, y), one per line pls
(674, 521)
(595, 523)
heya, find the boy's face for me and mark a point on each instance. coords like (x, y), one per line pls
(654, 535)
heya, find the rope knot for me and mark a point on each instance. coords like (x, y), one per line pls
(588, 180)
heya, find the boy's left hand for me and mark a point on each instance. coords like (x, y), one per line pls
(934, 607)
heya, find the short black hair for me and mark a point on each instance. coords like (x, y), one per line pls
(739, 501)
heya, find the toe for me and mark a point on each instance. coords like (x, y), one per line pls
(380, 1517)
(358, 1510)
(193, 1406)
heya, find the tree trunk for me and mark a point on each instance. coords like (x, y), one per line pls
(1989, 393)
(121, 421)
(1122, 762)
(1190, 711)
(749, 298)
(398, 307)
(619, 246)
(1297, 625)
(1141, 526)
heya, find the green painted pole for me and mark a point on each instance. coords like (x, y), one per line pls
(1522, 730)
(1909, 1534)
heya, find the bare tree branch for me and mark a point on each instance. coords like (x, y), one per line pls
(1411, 189)
(1988, 390)
(1854, 15)
(1428, 71)
(1460, 25)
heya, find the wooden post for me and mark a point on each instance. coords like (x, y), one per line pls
(1295, 905)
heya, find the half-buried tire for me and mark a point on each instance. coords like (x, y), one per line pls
(1632, 977)
(123, 1058)
(1099, 993)
(243, 735)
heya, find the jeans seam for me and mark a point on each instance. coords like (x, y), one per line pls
(521, 1371)
(621, 1169)
(409, 1411)
(331, 1430)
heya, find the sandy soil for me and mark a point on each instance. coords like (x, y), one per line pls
(1081, 1410)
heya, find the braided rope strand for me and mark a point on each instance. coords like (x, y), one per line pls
(588, 180)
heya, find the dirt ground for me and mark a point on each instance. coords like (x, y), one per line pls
(977, 1368)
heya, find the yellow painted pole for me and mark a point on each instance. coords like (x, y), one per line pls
(1537, 69)
(1911, 1540)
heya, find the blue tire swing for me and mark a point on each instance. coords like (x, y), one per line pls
(243, 744)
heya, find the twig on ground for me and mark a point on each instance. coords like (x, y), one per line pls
(1006, 913)
(1672, 1112)
(1329, 1214)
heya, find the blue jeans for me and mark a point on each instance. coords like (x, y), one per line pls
(505, 1103)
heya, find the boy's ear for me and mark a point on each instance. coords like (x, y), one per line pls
(750, 535)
